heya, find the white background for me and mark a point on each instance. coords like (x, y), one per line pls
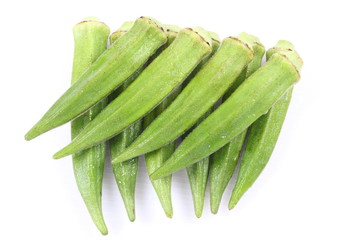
(310, 188)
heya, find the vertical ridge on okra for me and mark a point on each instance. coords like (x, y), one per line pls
(110, 69)
(155, 159)
(125, 173)
(224, 161)
(90, 40)
(158, 80)
(262, 136)
(251, 100)
(202, 92)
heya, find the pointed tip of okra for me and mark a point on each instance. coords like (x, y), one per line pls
(33, 133)
(235, 197)
(288, 49)
(214, 204)
(66, 151)
(103, 230)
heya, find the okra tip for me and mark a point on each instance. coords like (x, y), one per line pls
(63, 152)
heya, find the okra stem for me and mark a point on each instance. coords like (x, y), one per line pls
(90, 38)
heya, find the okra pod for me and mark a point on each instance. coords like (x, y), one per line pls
(90, 40)
(198, 172)
(111, 68)
(158, 80)
(155, 159)
(224, 161)
(262, 137)
(202, 92)
(251, 99)
(125, 173)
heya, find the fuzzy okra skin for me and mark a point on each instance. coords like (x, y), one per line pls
(224, 161)
(111, 68)
(158, 80)
(155, 159)
(90, 40)
(251, 99)
(262, 137)
(125, 173)
(202, 92)
(198, 172)
(198, 177)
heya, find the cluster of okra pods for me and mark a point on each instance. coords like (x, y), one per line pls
(153, 84)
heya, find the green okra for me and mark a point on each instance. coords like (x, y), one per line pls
(111, 68)
(90, 39)
(224, 161)
(155, 159)
(125, 173)
(158, 80)
(198, 172)
(202, 92)
(251, 99)
(198, 177)
(262, 137)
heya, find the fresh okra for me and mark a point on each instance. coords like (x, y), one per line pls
(90, 38)
(155, 159)
(224, 161)
(262, 136)
(196, 99)
(125, 173)
(251, 99)
(198, 172)
(111, 68)
(159, 79)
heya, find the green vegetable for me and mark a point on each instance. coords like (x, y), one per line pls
(251, 100)
(224, 160)
(158, 80)
(198, 172)
(156, 158)
(202, 92)
(90, 38)
(125, 173)
(198, 177)
(111, 69)
(262, 136)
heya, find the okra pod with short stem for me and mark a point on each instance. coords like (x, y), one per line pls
(262, 137)
(90, 40)
(110, 69)
(202, 92)
(251, 99)
(198, 172)
(224, 161)
(153, 85)
(125, 173)
(155, 159)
